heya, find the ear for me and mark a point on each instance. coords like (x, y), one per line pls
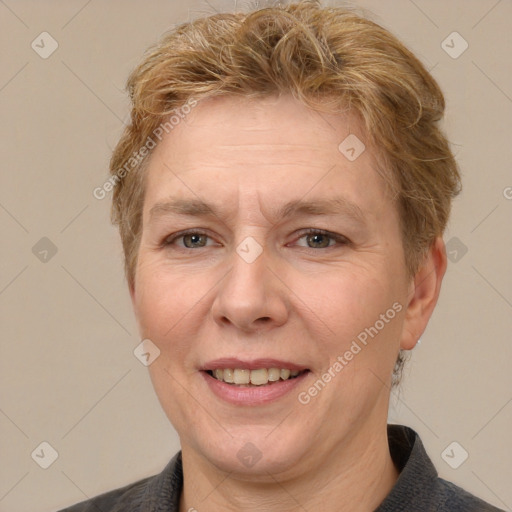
(423, 294)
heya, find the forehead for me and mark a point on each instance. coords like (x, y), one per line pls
(274, 148)
(278, 123)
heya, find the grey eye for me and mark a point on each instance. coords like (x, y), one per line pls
(193, 240)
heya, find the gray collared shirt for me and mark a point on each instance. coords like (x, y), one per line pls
(418, 488)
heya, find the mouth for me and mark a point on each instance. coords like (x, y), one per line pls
(251, 383)
(243, 377)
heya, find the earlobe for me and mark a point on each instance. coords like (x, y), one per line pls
(424, 292)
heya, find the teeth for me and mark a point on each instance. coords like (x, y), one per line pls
(274, 374)
(229, 376)
(258, 377)
(242, 376)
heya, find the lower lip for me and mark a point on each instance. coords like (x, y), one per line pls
(254, 395)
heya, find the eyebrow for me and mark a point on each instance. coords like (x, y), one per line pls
(296, 207)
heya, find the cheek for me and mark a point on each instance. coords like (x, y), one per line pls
(357, 306)
(163, 300)
(347, 298)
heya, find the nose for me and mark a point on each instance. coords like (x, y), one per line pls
(252, 296)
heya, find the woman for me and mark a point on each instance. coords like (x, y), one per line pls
(281, 195)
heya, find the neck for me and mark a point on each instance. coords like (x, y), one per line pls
(358, 472)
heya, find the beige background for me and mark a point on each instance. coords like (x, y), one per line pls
(68, 375)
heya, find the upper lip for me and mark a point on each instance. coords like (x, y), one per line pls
(253, 364)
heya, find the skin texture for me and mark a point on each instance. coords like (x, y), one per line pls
(304, 300)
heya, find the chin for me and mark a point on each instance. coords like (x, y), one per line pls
(253, 453)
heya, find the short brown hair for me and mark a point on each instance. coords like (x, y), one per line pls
(320, 55)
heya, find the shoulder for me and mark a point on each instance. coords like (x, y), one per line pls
(419, 487)
(162, 490)
(453, 499)
(127, 499)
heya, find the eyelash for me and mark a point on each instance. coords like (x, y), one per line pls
(340, 239)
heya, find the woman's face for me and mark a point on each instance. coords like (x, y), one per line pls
(252, 292)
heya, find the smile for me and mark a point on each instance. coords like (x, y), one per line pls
(256, 377)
